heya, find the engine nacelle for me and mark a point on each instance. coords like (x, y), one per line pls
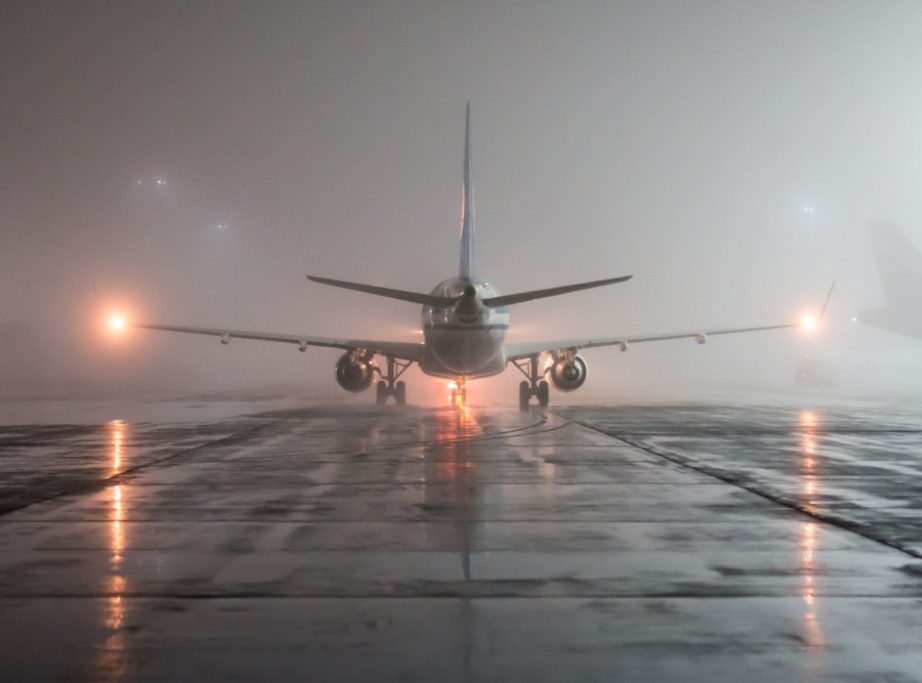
(568, 374)
(355, 372)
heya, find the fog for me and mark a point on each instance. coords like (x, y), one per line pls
(190, 163)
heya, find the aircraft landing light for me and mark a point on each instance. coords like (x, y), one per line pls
(117, 323)
(808, 323)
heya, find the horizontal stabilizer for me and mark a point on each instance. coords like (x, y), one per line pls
(553, 291)
(412, 297)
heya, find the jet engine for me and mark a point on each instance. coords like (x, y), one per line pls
(569, 373)
(355, 371)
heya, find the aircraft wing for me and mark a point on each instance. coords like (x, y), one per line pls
(410, 351)
(517, 351)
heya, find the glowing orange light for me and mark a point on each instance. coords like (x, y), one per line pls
(808, 323)
(117, 323)
(117, 432)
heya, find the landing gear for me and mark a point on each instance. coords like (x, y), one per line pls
(389, 386)
(543, 394)
(533, 386)
(524, 394)
(459, 395)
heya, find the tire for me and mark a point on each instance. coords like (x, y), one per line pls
(524, 395)
(400, 393)
(382, 393)
(543, 394)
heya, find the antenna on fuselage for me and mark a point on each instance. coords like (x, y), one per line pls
(467, 207)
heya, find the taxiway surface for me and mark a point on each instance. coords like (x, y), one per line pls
(767, 541)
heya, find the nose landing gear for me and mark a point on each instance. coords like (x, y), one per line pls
(459, 394)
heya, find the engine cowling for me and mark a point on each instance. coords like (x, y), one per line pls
(568, 374)
(354, 372)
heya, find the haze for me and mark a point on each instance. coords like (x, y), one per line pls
(190, 163)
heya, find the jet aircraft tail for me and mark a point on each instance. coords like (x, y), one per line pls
(900, 268)
(467, 207)
(899, 264)
(467, 272)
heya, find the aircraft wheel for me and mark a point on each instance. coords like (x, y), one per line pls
(382, 393)
(400, 393)
(454, 398)
(543, 393)
(464, 395)
(524, 395)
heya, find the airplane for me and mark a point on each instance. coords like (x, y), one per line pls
(465, 321)
(900, 266)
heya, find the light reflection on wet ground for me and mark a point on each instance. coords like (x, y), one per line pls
(653, 542)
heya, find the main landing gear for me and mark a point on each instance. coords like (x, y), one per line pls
(389, 386)
(533, 386)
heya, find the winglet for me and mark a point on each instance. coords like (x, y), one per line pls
(826, 303)
(467, 208)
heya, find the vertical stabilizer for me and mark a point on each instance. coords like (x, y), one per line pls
(467, 208)
(900, 266)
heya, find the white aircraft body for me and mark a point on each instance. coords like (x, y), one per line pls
(900, 266)
(464, 329)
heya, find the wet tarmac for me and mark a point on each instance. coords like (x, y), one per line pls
(772, 540)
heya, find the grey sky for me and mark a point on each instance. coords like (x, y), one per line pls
(676, 141)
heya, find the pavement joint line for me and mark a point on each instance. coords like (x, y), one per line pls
(777, 498)
(99, 484)
(386, 520)
(489, 594)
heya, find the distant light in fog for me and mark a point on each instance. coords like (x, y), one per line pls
(809, 209)
(117, 323)
(808, 323)
(157, 181)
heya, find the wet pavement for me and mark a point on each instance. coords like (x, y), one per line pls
(767, 541)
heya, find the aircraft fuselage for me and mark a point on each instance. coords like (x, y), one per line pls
(464, 340)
